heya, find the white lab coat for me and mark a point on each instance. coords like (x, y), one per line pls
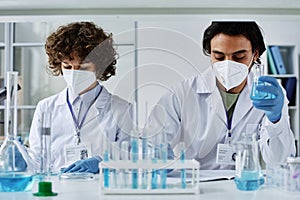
(193, 112)
(109, 116)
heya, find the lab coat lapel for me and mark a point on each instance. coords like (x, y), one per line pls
(243, 104)
(216, 102)
(98, 106)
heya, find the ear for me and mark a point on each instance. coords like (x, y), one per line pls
(256, 55)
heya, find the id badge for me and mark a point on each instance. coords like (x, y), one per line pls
(77, 152)
(226, 154)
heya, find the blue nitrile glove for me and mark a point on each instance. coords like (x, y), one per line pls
(87, 165)
(272, 107)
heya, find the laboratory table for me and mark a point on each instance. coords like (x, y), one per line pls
(89, 190)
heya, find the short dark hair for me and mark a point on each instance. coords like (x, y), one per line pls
(249, 29)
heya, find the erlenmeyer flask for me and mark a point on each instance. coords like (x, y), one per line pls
(248, 171)
(15, 163)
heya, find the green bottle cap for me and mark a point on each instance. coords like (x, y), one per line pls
(45, 189)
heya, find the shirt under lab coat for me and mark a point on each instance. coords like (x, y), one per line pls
(109, 116)
(193, 112)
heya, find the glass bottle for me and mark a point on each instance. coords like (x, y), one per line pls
(16, 170)
(248, 174)
(257, 70)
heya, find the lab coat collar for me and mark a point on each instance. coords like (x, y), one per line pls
(95, 110)
(100, 102)
(208, 86)
(243, 103)
(207, 82)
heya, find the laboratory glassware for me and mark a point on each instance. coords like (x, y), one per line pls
(45, 151)
(248, 171)
(16, 167)
(257, 70)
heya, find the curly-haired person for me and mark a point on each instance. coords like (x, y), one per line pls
(84, 115)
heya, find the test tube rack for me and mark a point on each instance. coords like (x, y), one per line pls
(115, 166)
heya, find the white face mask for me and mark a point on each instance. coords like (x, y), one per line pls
(229, 73)
(78, 80)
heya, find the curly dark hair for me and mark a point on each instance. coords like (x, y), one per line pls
(88, 41)
(248, 29)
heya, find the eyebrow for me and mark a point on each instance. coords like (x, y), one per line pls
(237, 52)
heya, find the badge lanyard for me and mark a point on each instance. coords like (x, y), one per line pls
(78, 124)
(229, 122)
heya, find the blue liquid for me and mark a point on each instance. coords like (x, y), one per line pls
(154, 179)
(134, 158)
(256, 95)
(15, 182)
(145, 157)
(250, 180)
(106, 171)
(183, 178)
(163, 176)
(182, 171)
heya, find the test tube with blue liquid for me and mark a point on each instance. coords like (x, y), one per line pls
(257, 70)
(154, 152)
(134, 157)
(145, 158)
(182, 160)
(163, 157)
(134, 147)
(124, 157)
(106, 171)
(115, 157)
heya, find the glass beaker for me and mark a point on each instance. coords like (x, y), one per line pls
(248, 174)
(15, 163)
(257, 70)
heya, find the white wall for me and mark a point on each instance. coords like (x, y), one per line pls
(170, 48)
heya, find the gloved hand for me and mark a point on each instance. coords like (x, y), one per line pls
(87, 165)
(272, 107)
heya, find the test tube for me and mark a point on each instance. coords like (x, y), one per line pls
(182, 160)
(163, 157)
(153, 151)
(145, 158)
(134, 157)
(105, 159)
(124, 157)
(115, 157)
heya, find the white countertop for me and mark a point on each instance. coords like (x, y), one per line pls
(89, 190)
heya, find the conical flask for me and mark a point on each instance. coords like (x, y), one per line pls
(248, 171)
(15, 164)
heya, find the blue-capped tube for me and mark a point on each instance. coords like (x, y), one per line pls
(182, 160)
